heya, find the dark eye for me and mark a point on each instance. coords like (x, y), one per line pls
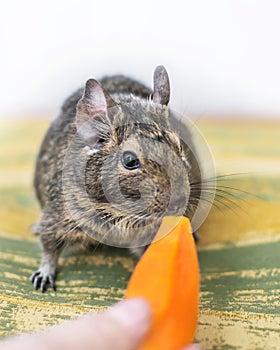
(130, 160)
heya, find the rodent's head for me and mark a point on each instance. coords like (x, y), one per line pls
(137, 169)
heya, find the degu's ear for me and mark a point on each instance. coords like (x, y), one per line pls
(161, 86)
(94, 115)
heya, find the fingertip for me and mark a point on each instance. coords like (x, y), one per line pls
(132, 313)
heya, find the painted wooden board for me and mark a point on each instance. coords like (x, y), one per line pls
(239, 250)
(240, 288)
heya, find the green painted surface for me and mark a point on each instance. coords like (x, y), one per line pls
(235, 282)
(230, 275)
(240, 307)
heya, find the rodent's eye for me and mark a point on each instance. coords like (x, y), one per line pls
(130, 160)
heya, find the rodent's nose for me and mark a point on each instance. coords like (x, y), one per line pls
(177, 201)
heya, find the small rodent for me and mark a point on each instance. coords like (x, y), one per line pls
(111, 165)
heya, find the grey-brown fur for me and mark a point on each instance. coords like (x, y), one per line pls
(85, 191)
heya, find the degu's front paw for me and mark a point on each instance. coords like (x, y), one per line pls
(42, 277)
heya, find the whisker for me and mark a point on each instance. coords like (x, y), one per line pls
(230, 192)
(226, 176)
(217, 204)
(224, 192)
(222, 199)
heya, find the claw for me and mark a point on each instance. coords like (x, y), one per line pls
(52, 282)
(37, 282)
(44, 282)
(32, 277)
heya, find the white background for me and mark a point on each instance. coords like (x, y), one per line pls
(223, 57)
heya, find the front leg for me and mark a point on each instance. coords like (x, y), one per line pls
(51, 230)
(46, 273)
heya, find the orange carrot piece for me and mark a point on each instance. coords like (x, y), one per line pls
(167, 276)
